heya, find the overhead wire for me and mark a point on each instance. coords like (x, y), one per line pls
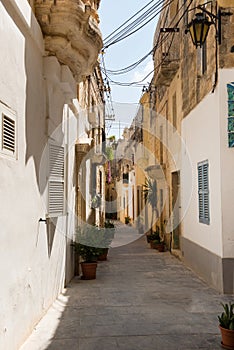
(156, 46)
(134, 65)
(128, 20)
(139, 23)
(125, 31)
(109, 108)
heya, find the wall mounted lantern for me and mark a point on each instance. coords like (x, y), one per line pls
(199, 28)
(200, 25)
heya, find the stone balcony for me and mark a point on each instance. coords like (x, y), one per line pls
(71, 33)
(166, 56)
(166, 72)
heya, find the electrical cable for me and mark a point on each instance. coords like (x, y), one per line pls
(128, 20)
(132, 66)
(126, 32)
(137, 84)
(133, 25)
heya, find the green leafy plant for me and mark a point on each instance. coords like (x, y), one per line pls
(89, 242)
(154, 236)
(88, 254)
(150, 192)
(96, 201)
(127, 219)
(109, 224)
(109, 153)
(226, 319)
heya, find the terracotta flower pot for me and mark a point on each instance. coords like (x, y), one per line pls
(88, 270)
(103, 257)
(160, 247)
(154, 245)
(227, 338)
(147, 238)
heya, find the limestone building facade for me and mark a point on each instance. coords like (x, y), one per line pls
(191, 98)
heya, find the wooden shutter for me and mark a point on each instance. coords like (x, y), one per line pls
(203, 193)
(8, 134)
(56, 180)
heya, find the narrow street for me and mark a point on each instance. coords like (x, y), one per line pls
(141, 299)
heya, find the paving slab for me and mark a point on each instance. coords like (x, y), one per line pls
(141, 299)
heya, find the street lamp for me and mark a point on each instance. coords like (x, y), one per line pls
(200, 25)
(199, 28)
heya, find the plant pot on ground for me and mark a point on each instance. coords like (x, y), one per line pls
(89, 255)
(161, 247)
(103, 256)
(127, 220)
(154, 236)
(107, 234)
(154, 244)
(87, 245)
(226, 326)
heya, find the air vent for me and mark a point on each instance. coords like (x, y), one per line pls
(8, 134)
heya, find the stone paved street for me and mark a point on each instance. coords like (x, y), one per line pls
(141, 299)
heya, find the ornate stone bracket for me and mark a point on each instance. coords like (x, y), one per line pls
(71, 33)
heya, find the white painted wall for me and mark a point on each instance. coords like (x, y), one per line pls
(201, 134)
(204, 132)
(32, 261)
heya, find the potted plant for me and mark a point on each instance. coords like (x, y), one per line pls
(161, 246)
(127, 220)
(153, 236)
(151, 196)
(87, 245)
(226, 326)
(153, 239)
(108, 233)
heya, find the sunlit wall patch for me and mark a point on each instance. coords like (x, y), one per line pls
(230, 91)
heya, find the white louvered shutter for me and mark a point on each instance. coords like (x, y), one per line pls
(203, 193)
(56, 180)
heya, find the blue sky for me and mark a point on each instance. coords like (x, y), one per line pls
(112, 15)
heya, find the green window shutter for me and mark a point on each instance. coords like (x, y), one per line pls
(203, 192)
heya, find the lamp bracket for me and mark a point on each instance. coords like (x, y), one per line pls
(211, 15)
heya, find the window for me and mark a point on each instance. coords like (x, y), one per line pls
(174, 110)
(161, 199)
(185, 5)
(56, 180)
(203, 192)
(8, 131)
(125, 178)
(161, 145)
(204, 58)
